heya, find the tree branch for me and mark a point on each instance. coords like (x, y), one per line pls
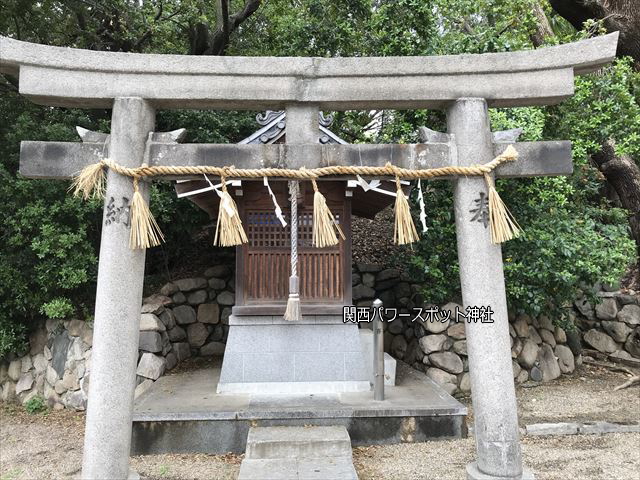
(615, 15)
(205, 42)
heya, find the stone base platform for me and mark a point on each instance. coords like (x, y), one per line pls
(182, 413)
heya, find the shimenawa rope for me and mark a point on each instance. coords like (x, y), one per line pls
(91, 183)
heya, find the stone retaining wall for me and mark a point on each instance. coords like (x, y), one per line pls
(611, 326)
(540, 350)
(189, 317)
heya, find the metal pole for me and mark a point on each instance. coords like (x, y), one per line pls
(378, 351)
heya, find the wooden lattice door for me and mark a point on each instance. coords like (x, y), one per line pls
(265, 262)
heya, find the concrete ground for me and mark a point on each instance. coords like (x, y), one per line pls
(50, 446)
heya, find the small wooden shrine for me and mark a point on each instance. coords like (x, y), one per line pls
(263, 264)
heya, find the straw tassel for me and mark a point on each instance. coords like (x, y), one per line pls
(325, 225)
(145, 232)
(405, 230)
(293, 313)
(90, 182)
(503, 225)
(229, 230)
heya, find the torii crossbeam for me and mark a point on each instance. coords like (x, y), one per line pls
(135, 85)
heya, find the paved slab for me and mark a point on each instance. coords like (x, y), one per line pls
(294, 442)
(310, 453)
(181, 413)
(298, 469)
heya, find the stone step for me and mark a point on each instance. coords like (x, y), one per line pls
(292, 442)
(322, 468)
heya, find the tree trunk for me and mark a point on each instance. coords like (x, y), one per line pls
(543, 28)
(204, 41)
(623, 174)
(616, 15)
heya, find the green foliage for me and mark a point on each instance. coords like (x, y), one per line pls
(12, 336)
(35, 404)
(572, 237)
(57, 308)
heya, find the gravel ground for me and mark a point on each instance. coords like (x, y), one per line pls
(580, 457)
(50, 446)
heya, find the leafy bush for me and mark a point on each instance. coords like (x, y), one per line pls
(35, 404)
(49, 240)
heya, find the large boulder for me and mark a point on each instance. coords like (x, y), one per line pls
(168, 318)
(434, 343)
(521, 325)
(189, 284)
(226, 298)
(585, 308)
(149, 322)
(40, 363)
(560, 335)
(387, 274)
(465, 382)
(217, 283)
(151, 366)
(447, 361)
(59, 350)
(74, 327)
(548, 363)
(600, 341)
(368, 279)
(607, 309)
(209, 313)
(24, 383)
(150, 342)
(460, 347)
(529, 354)
(169, 289)
(362, 291)
(368, 267)
(534, 335)
(574, 342)
(566, 361)
(447, 381)
(197, 297)
(457, 331)
(197, 334)
(177, 334)
(172, 361)
(547, 337)
(15, 369)
(630, 314)
(70, 381)
(76, 400)
(218, 271)
(184, 315)
(632, 345)
(617, 330)
(545, 322)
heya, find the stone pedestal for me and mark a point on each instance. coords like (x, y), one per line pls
(482, 282)
(319, 354)
(119, 296)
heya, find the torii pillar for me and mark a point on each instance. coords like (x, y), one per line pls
(107, 438)
(482, 282)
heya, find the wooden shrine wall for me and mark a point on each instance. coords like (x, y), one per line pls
(264, 263)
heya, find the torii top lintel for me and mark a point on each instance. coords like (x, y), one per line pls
(60, 76)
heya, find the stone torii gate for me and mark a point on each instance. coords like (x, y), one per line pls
(135, 85)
